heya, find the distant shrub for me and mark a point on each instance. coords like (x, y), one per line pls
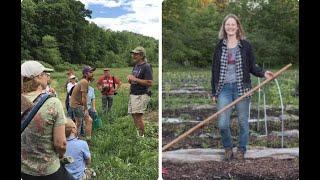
(65, 66)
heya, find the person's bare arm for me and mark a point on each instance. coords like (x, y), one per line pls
(84, 102)
(84, 96)
(142, 82)
(99, 85)
(88, 161)
(118, 86)
(94, 104)
(59, 140)
(128, 78)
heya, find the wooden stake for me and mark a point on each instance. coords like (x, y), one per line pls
(182, 136)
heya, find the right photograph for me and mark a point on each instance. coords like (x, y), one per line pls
(230, 89)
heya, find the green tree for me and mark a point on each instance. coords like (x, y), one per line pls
(29, 36)
(49, 51)
(56, 31)
(190, 30)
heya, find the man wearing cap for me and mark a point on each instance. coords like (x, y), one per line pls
(108, 85)
(78, 102)
(43, 142)
(140, 80)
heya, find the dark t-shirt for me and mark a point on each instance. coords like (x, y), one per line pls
(142, 71)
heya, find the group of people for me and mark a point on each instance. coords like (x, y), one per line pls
(81, 101)
(52, 136)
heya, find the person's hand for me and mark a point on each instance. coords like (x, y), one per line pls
(128, 78)
(131, 78)
(52, 90)
(94, 110)
(214, 99)
(268, 74)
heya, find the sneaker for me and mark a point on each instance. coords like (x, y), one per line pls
(228, 154)
(239, 155)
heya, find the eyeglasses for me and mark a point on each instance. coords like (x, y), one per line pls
(43, 73)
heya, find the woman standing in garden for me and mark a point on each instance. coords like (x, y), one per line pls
(233, 61)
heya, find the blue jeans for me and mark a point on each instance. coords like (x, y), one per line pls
(228, 94)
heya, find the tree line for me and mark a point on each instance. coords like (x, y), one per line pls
(190, 30)
(57, 32)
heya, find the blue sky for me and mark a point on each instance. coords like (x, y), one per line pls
(139, 16)
(107, 12)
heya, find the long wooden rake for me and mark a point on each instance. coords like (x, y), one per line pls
(206, 121)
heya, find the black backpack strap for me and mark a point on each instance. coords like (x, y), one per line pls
(114, 86)
(39, 101)
(70, 92)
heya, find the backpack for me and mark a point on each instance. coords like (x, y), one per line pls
(27, 115)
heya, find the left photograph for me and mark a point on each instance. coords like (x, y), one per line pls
(89, 89)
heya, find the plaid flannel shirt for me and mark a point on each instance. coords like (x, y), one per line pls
(239, 70)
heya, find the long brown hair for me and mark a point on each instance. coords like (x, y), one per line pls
(240, 32)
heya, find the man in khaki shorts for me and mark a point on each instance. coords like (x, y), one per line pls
(140, 80)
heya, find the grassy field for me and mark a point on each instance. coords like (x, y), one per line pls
(175, 79)
(117, 152)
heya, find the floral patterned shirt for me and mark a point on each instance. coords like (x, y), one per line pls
(38, 157)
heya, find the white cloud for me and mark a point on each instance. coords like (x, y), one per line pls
(106, 3)
(144, 18)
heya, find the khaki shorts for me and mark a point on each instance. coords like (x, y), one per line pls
(138, 103)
